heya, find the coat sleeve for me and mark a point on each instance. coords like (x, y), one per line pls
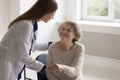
(24, 36)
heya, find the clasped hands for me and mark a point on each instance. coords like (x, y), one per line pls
(55, 67)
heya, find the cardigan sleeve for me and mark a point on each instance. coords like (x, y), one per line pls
(75, 68)
(50, 76)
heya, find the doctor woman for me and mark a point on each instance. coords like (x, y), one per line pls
(19, 40)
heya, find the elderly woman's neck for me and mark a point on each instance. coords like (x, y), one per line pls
(65, 45)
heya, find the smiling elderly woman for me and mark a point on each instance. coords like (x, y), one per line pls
(65, 57)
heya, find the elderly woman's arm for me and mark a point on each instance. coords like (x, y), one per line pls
(75, 68)
(49, 74)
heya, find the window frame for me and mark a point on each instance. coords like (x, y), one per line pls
(109, 18)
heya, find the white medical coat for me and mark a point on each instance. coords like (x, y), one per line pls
(14, 50)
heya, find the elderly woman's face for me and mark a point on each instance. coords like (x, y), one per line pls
(66, 32)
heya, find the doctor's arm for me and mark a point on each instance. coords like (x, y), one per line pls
(41, 46)
(23, 47)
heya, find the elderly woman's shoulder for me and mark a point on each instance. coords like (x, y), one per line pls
(80, 45)
(52, 45)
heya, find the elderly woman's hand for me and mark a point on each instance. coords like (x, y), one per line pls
(56, 67)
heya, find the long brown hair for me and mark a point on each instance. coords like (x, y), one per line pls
(38, 10)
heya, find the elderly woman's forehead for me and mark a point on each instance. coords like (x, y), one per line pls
(65, 25)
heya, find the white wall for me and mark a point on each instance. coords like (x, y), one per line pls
(4, 17)
(14, 9)
(9, 9)
(71, 9)
(102, 44)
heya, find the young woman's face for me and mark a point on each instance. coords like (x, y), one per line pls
(66, 32)
(48, 17)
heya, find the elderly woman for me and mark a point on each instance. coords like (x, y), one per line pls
(65, 57)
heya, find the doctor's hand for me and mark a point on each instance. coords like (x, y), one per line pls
(56, 67)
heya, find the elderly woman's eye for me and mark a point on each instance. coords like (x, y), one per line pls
(69, 30)
(62, 29)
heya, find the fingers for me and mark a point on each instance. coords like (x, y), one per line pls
(53, 67)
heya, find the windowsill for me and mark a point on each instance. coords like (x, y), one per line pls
(98, 23)
(101, 27)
